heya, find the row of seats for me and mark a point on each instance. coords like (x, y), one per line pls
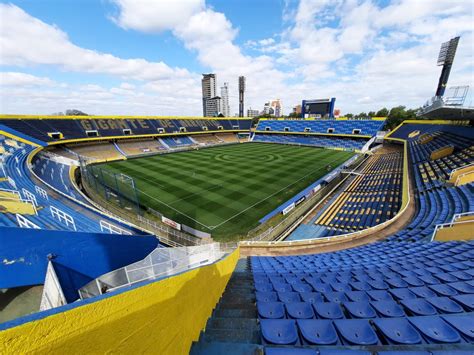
(445, 329)
(385, 293)
(362, 127)
(77, 128)
(371, 198)
(176, 142)
(52, 213)
(318, 141)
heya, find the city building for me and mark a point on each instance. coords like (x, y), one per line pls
(225, 100)
(297, 110)
(252, 113)
(208, 92)
(213, 107)
(277, 107)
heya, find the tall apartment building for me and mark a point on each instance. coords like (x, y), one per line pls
(225, 100)
(252, 113)
(211, 105)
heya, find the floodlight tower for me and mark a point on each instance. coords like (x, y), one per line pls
(446, 58)
(241, 95)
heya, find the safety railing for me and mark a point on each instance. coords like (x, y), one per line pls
(162, 262)
(405, 204)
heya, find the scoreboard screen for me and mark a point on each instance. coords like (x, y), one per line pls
(322, 108)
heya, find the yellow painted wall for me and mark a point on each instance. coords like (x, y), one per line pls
(459, 231)
(458, 172)
(441, 152)
(465, 179)
(425, 138)
(162, 317)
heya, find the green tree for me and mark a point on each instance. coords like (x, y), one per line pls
(382, 112)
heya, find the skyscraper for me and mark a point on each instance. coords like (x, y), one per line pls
(241, 95)
(225, 100)
(208, 92)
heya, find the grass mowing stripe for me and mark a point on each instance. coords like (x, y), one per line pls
(238, 184)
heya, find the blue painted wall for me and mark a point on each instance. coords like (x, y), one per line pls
(79, 257)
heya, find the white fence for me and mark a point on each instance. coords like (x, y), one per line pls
(161, 262)
(53, 295)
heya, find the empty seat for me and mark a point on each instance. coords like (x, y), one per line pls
(268, 296)
(357, 296)
(288, 297)
(443, 290)
(282, 287)
(422, 291)
(271, 310)
(379, 295)
(299, 310)
(311, 297)
(360, 309)
(337, 297)
(318, 331)
(463, 323)
(462, 287)
(388, 308)
(302, 287)
(445, 305)
(264, 287)
(356, 332)
(279, 331)
(328, 310)
(398, 331)
(402, 293)
(435, 329)
(418, 307)
(467, 301)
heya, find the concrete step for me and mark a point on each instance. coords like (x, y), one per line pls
(234, 313)
(232, 323)
(251, 336)
(219, 348)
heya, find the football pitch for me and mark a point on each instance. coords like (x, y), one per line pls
(226, 190)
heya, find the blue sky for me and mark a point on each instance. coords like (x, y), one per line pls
(146, 57)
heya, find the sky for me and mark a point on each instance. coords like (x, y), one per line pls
(146, 57)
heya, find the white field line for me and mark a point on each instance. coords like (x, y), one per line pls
(174, 209)
(266, 198)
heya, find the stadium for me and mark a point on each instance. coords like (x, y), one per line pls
(316, 234)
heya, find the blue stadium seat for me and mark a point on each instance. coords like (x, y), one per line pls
(357, 296)
(311, 297)
(360, 309)
(268, 296)
(288, 297)
(402, 293)
(317, 332)
(467, 301)
(328, 310)
(279, 331)
(356, 332)
(445, 305)
(379, 295)
(463, 323)
(299, 310)
(419, 307)
(388, 308)
(435, 329)
(271, 310)
(398, 331)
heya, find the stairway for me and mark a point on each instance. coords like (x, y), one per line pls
(233, 328)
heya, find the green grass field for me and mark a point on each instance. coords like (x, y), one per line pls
(226, 190)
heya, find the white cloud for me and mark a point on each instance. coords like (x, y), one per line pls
(23, 79)
(155, 16)
(27, 41)
(366, 55)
